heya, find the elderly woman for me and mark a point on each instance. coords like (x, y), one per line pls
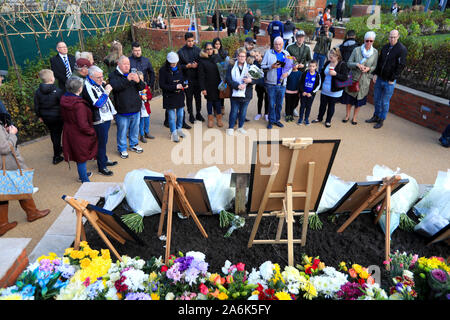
(8, 140)
(79, 137)
(362, 63)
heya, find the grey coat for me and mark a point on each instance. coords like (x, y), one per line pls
(364, 82)
(7, 139)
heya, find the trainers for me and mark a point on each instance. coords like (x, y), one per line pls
(242, 131)
(316, 121)
(123, 154)
(89, 174)
(180, 133)
(111, 163)
(327, 124)
(137, 149)
(299, 122)
(174, 137)
(258, 116)
(266, 116)
(106, 172)
(230, 132)
(306, 122)
(295, 113)
(279, 124)
(269, 126)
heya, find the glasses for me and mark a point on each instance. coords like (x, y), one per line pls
(207, 49)
(369, 40)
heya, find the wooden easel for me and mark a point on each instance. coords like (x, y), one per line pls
(81, 210)
(384, 190)
(172, 190)
(287, 214)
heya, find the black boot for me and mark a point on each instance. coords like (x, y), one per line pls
(379, 124)
(191, 118)
(199, 117)
(373, 119)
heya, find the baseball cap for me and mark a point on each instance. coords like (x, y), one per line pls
(250, 40)
(82, 62)
(172, 57)
(300, 33)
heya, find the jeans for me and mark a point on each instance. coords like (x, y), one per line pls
(82, 172)
(327, 104)
(217, 105)
(127, 125)
(321, 58)
(276, 96)
(238, 112)
(382, 94)
(144, 126)
(175, 118)
(102, 137)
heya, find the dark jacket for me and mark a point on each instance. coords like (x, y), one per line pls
(214, 20)
(144, 65)
(208, 73)
(275, 29)
(79, 138)
(46, 102)
(234, 85)
(126, 98)
(231, 22)
(247, 21)
(347, 47)
(168, 80)
(189, 55)
(391, 62)
(59, 69)
(317, 83)
(341, 74)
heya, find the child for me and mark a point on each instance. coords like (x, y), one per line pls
(291, 95)
(260, 89)
(144, 124)
(46, 106)
(309, 85)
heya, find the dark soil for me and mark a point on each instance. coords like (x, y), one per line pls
(362, 242)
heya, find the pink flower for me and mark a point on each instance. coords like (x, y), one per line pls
(87, 282)
(240, 266)
(204, 289)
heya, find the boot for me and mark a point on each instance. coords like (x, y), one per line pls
(5, 226)
(32, 212)
(191, 118)
(143, 139)
(379, 124)
(372, 120)
(210, 120)
(199, 117)
(219, 120)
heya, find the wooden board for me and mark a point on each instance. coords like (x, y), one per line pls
(194, 189)
(113, 221)
(322, 152)
(359, 192)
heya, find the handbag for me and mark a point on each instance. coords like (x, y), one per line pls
(15, 184)
(346, 83)
(224, 94)
(355, 85)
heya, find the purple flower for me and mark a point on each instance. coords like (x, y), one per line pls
(137, 296)
(439, 275)
(184, 263)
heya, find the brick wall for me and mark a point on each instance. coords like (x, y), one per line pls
(15, 270)
(419, 107)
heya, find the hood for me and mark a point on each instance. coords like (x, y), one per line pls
(70, 101)
(47, 88)
(349, 42)
(204, 54)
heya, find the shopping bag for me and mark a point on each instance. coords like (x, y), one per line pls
(15, 184)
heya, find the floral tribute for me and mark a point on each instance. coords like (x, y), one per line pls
(88, 274)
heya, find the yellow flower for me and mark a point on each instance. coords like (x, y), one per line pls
(283, 295)
(93, 254)
(357, 268)
(343, 266)
(68, 251)
(222, 296)
(85, 263)
(321, 266)
(74, 254)
(310, 291)
(364, 274)
(105, 254)
(154, 296)
(153, 276)
(83, 244)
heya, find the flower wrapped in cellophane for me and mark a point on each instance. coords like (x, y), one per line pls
(289, 63)
(223, 67)
(255, 73)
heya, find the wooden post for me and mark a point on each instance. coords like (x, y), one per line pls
(217, 18)
(11, 53)
(169, 26)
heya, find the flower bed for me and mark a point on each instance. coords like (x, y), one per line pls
(88, 274)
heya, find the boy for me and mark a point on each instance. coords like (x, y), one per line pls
(291, 94)
(309, 84)
(260, 89)
(47, 109)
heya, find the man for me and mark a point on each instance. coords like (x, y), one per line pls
(249, 45)
(275, 80)
(62, 64)
(390, 64)
(348, 45)
(214, 21)
(275, 29)
(127, 101)
(323, 45)
(103, 112)
(300, 50)
(231, 24)
(189, 56)
(247, 21)
(340, 9)
(81, 68)
(141, 63)
(288, 32)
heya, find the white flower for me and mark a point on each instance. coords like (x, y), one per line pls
(170, 296)
(226, 267)
(135, 279)
(197, 255)
(408, 274)
(112, 294)
(266, 270)
(253, 297)
(254, 277)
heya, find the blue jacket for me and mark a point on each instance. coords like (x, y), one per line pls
(275, 29)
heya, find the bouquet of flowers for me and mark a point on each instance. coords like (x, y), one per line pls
(223, 67)
(255, 73)
(289, 63)
(227, 218)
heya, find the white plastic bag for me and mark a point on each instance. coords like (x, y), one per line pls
(438, 197)
(334, 190)
(432, 223)
(217, 186)
(402, 200)
(138, 195)
(113, 197)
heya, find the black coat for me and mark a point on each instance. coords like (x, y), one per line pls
(231, 22)
(168, 80)
(391, 62)
(347, 48)
(46, 102)
(341, 74)
(247, 21)
(144, 65)
(59, 69)
(209, 77)
(189, 55)
(126, 98)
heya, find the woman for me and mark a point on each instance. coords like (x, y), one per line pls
(222, 55)
(242, 91)
(362, 63)
(8, 138)
(334, 69)
(209, 79)
(172, 83)
(79, 137)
